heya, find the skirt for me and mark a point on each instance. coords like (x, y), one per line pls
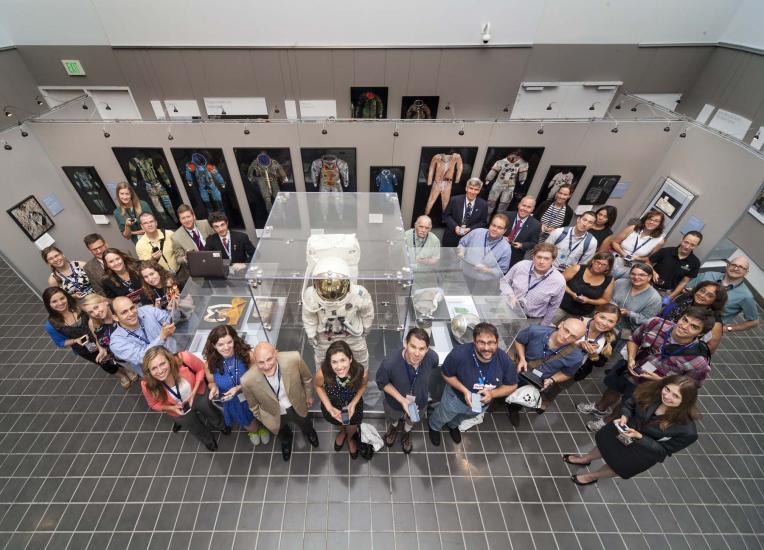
(355, 420)
(625, 460)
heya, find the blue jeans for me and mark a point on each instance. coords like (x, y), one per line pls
(450, 411)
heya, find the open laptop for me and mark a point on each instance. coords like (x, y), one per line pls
(208, 264)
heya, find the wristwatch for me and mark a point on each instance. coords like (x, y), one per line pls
(729, 328)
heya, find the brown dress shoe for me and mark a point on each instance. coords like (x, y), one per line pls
(390, 435)
(406, 444)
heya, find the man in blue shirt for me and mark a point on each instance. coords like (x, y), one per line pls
(481, 247)
(139, 329)
(739, 298)
(404, 377)
(547, 357)
(476, 371)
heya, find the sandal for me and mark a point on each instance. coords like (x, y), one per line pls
(575, 480)
(131, 376)
(566, 458)
(125, 382)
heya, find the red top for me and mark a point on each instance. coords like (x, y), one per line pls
(192, 371)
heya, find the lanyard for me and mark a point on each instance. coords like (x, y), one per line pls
(277, 389)
(571, 248)
(232, 369)
(486, 247)
(551, 351)
(144, 338)
(412, 379)
(176, 392)
(413, 241)
(667, 341)
(538, 282)
(481, 378)
(637, 246)
(159, 295)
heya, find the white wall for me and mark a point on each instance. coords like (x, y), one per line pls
(349, 22)
(745, 28)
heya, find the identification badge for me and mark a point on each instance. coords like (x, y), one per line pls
(478, 386)
(410, 398)
(413, 412)
(241, 397)
(647, 366)
(537, 373)
(477, 406)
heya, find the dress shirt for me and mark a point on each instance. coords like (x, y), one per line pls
(131, 348)
(422, 249)
(571, 249)
(479, 249)
(545, 297)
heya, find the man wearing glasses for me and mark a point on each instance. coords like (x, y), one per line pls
(739, 297)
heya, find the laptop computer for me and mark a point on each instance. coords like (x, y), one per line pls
(208, 264)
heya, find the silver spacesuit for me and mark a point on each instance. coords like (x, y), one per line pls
(333, 308)
(505, 174)
(330, 174)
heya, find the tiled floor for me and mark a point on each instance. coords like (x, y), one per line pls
(85, 465)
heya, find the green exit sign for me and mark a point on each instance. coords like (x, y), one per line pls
(73, 67)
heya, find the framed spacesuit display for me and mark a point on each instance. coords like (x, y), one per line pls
(557, 176)
(264, 172)
(329, 170)
(147, 171)
(90, 188)
(419, 107)
(507, 174)
(387, 179)
(368, 102)
(208, 183)
(442, 174)
(599, 189)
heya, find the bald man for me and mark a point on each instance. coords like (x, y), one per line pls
(279, 391)
(546, 357)
(423, 246)
(523, 229)
(140, 328)
(739, 297)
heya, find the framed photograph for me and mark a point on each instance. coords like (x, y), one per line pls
(147, 172)
(30, 216)
(91, 189)
(672, 199)
(558, 176)
(599, 189)
(264, 172)
(667, 204)
(419, 107)
(387, 179)
(442, 173)
(368, 102)
(208, 184)
(329, 170)
(757, 208)
(507, 174)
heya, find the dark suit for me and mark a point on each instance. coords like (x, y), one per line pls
(452, 217)
(242, 248)
(528, 236)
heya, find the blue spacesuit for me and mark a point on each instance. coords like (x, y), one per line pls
(208, 181)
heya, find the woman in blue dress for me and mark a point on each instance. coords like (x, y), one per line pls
(228, 358)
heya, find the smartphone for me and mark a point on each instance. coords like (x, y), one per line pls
(186, 407)
(477, 406)
(621, 429)
(413, 412)
(345, 417)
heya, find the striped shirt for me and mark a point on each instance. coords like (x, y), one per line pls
(538, 296)
(553, 217)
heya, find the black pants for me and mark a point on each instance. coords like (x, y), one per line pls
(109, 365)
(303, 422)
(201, 419)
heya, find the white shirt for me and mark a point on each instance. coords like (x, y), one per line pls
(195, 231)
(185, 390)
(277, 383)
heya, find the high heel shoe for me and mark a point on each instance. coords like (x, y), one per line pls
(338, 446)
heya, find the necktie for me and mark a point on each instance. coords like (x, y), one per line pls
(515, 230)
(225, 245)
(467, 214)
(197, 240)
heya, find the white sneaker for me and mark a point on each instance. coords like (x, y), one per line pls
(590, 408)
(595, 425)
(254, 438)
(265, 436)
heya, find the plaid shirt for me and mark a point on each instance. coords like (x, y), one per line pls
(652, 335)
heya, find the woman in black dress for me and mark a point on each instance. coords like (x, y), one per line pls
(586, 287)
(603, 226)
(121, 277)
(709, 295)
(657, 421)
(340, 384)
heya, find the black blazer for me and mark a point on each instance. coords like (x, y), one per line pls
(676, 437)
(452, 217)
(541, 208)
(242, 248)
(528, 236)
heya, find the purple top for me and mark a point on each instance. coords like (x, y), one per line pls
(545, 294)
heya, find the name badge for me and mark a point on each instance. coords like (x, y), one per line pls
(478, 386)
(647, 367)
(241, 397)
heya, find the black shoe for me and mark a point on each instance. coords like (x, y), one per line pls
(581, 483)
(226, 430)
(434, 435)
(338, 447)
(212, 446)
(175, 427)
(514, 415)
(566, 458)
(286, 450)
(456, 435)
(312, 438)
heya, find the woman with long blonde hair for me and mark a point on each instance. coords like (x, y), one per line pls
(128, 211)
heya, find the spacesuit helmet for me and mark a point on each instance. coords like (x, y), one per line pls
(331, 279)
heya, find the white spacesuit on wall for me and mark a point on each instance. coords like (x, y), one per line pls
(333, 308)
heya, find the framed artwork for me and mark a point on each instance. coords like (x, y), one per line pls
(419, 107)
(208, 183)
(264, 172)
(599, 189)
(387, 179)
(30, 216)
(148, 173)
(557, 176)
(672, 199)
(368, 102)
(505, 169)
(329, 170)
(228, 310)
(757, 208)
(91, 189)
(442, 173)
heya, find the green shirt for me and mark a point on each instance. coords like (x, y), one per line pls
(421, 249)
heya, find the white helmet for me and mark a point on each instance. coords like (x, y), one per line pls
(527, 396)
(331, 278)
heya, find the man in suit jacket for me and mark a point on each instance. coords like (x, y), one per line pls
(192, 234)
(279, 391)
(234, 245)
(94, 268)
(523, 229)
(464, 213)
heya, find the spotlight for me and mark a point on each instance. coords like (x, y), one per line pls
(324, 131)
(615, 128)
(84, 106)
(591, 107)
(6, 112)
(757, 135)
(24, 133)
(549, 107)
(506, 108)
(667, 129)
(174, 108)
(38, 100)
(222, 111)
(634, 109)
(618, 106)
(683, 134)
(246, 130)
(276, 109)
(540, 131)
(448, 106)
(106, 134)
(461, 131)
(108, 107)
(170, 137)
(395, 131)
(7, 146)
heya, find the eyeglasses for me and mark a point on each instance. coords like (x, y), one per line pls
(738, 266)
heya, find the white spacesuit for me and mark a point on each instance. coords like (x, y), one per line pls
(333, 308)
(505, 174)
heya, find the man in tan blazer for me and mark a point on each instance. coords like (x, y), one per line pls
(279, 391)
(192, 233)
